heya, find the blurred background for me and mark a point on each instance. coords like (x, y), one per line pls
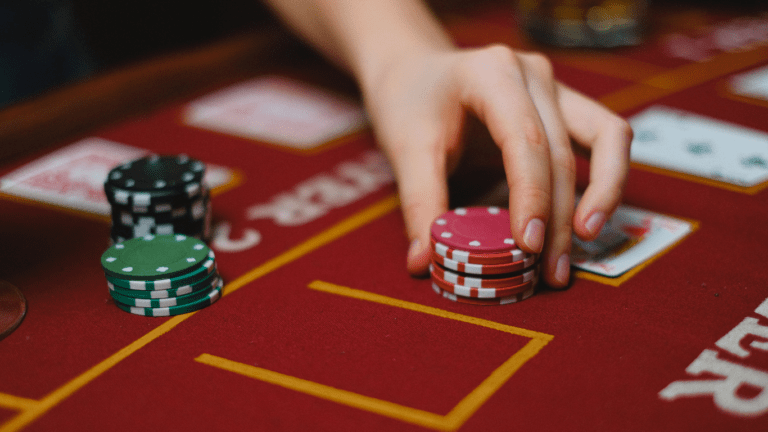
(45, 44)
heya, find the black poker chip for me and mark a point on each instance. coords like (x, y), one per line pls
(157, 173)
(158, 194)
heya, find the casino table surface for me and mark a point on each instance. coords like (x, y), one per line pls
(321, 328)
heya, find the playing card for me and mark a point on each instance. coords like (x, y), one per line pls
(277, 110)
(630, 237)
(73, 176)
(700, 146)
(752, 84)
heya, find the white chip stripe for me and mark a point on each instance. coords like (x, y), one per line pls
(121, 196)
(198, 210)
(165, 311)
(162, 284)
(142, 199)
(192, 189)
(164, 229)
(459, 256)
(137, 285)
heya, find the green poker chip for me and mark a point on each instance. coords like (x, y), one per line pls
(195, 276)
(161, 294)
(154, 257)
(196, 305)
(166, 302)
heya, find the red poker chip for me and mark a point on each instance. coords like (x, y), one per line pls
(481, 269)
(485, 302)
(506, 257)
(482, 293)
(486, 281)
(474, 230)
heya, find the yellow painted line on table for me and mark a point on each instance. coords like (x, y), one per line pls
(682, 78)
(357, 220)
(389, 301)
(16, 403)
(343, 397)
(609, 65)
(452, 421)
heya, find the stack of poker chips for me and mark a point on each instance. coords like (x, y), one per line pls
(158, 195)
(161, 275)
(475, 260)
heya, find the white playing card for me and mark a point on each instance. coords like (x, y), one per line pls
(752, 84)
(73, 176)
(277, 110)
(631, 237)
(701, 146)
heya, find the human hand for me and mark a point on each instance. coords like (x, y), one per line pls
(417, 104)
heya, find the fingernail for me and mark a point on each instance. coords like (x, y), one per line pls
(562, 269)
(534, 235)
(414, 249)
(595, 223)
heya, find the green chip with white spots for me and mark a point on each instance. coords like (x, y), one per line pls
(185, 279)
(154, 257)
(165, 302)
(201, 303)
(159, 294)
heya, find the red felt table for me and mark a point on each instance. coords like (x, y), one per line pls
(321, 328)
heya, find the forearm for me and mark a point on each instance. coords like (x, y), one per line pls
(364, 35)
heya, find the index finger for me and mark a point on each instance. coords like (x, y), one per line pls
(608, 136)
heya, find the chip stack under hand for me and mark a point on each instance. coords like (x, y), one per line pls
(158, 195)
(475, 260)
(161, 275)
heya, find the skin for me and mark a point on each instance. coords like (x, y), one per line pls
(418, 87)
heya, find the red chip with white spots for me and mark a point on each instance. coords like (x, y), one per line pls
(486, 281)
(474, 230)
(475, 292)
(483, 269)
(506, 257)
